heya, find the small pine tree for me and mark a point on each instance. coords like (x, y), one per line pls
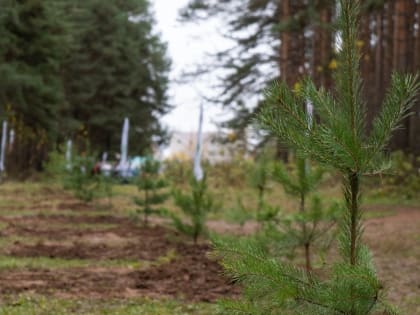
(86, 184)
(338, 139)
(195, 206)
(259, 177)
(312, 222)
(151, 184)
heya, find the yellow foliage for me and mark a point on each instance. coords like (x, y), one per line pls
(333, 64)
(232, 137)
(180, 156)
(297, 87)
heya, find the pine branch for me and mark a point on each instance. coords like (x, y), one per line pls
(399, 99)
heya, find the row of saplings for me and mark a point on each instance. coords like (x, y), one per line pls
(88, 185)
(337, 138)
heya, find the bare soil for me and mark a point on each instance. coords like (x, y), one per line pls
(188, 273)
(185, 271)
(190, 276)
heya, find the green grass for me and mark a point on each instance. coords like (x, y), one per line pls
(40, 262)
(376, 214)
(83, 226)
(24, 195)
(373, 199)
(33, 305)
(7, 241)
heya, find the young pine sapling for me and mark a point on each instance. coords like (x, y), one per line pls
(150, 183)
(338, 138)
(312, 221)
(196, 205)
(84, 181)
(259, 177)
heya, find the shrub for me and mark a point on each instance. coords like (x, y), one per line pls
(55, 166)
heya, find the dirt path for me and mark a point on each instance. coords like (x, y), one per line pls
(395, 243)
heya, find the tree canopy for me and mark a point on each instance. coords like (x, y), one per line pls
(76, 69)
(292, 39)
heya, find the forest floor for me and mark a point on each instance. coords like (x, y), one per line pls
(61, 256)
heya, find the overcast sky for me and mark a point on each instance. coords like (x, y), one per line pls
(187, 46)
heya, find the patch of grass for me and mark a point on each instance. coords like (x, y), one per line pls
(11, 202)
(125, 190)
(375, 214)
(166, 259)
(3, 225)
(33, 213)
(38, 305)
(83, 226)
(7, 241)
(11, 262)
(42, 262)
(372, 199)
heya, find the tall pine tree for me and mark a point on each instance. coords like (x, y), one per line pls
(32, 48)
(117, 69)
(289, 39)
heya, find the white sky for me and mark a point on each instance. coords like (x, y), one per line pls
(187, 46)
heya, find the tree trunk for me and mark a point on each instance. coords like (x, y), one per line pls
(400, 36)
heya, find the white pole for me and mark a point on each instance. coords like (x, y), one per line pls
(198, 171)
(104, 157)
(3, 147)
(124, 147)
(68, 154)
(11, 138)
(310, 114)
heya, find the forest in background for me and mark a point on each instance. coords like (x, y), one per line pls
(293, 39)
(74, 70)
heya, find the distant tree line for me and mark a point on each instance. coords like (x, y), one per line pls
(75, 69)
(291, 39)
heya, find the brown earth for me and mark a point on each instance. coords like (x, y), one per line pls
(188, 273)
(191, 276)
(395, 243)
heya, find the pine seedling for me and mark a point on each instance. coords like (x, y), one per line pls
(338, 138)
(258, 178)
(195, 206)
(150, 183)
(312, 222)
(86, 184)
(81, 174)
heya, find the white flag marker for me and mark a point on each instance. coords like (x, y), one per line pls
(310, 116)
(310, 113)
(3, 147)
(68, 154)
(198, 171)
(123, 166)
(11, 138)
